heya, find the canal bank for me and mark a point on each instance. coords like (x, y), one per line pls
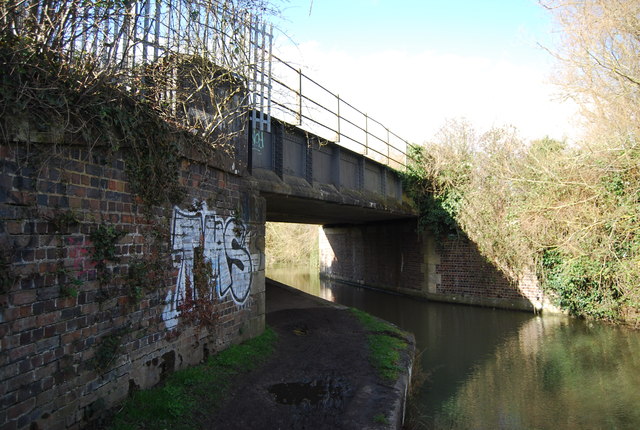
(320, 376)
(493, 368)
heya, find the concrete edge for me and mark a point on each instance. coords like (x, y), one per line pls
(498, 303)
(402, 385)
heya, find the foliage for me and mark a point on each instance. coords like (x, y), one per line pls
(385, 355)
(569, 211)
(104, 240)
(598, 52)
(82, 69)
(291, 244)
(98, 112)
(437, 174)
(145, 274)
(7, 277)
(63, 219)
(386, 343)
(380, 418)
(199, 305)
(373, 324)
(176, 402)
(579, 289)
(69, 284)
(188, 80)
(107, 351)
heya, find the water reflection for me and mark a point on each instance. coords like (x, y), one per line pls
(496, 369)
(552, 374)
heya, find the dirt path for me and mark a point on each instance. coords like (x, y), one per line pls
(319, 378)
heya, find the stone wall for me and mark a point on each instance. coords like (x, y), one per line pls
(393, 256)
(100, 294)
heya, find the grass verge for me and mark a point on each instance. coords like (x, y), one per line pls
(175, 404)
(386, 342)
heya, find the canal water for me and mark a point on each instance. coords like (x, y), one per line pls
(497, 369)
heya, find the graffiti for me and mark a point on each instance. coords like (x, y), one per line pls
(224, 246)
(258, 140)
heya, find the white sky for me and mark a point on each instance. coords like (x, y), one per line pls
(411, 64)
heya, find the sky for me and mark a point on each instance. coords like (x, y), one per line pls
(412, 64)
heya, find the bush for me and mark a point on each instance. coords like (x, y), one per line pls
(570, 212)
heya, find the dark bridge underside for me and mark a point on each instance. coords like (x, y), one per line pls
(293, 199)
(283, 208)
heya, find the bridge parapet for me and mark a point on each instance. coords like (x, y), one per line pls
(298, 99)
(307, 179)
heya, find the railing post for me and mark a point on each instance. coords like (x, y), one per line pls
(338, 136)
(388, 147)
(299, 96)
(156, 42)
(366, 134)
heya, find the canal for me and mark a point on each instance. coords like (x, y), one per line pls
(498, 369)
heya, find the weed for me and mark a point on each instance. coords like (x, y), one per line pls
(69, 284)
(199, 306)
(104, 241)
(62, 220)
(172, 404)
(386, 342)
(385, 355)
(7, 278)
(108, 350)
(68, 290)
(144, 275)
(380, 419)
(374, 324)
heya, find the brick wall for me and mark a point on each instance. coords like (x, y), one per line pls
(386, 254)
(465, 272)
(393, 256)
(77, 335)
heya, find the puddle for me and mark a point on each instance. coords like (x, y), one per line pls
(328, 393)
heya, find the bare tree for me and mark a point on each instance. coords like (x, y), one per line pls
(600, 61)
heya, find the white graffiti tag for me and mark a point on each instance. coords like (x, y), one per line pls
(224, 247)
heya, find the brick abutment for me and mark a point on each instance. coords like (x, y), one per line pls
(101, 294)
(395, 256)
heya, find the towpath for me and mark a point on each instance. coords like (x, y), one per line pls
(320, 376)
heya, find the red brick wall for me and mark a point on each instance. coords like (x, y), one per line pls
(56, 314)
(465, 272)
(392, 255)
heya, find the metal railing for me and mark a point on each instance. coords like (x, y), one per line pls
(123, 34)
(126, 36)
(299, 99)
(128, 41)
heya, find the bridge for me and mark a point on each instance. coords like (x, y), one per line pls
(104, 289)
(309, 181)
(321, 160)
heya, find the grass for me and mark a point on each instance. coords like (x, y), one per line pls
(174, 404)
(386, 342)
(380, 419)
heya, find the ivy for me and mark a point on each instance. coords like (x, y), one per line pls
(108, 350)
(437, 207)
(104, 241)
(581, 285)
(145, 274)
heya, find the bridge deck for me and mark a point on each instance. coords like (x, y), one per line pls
(305, 179)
